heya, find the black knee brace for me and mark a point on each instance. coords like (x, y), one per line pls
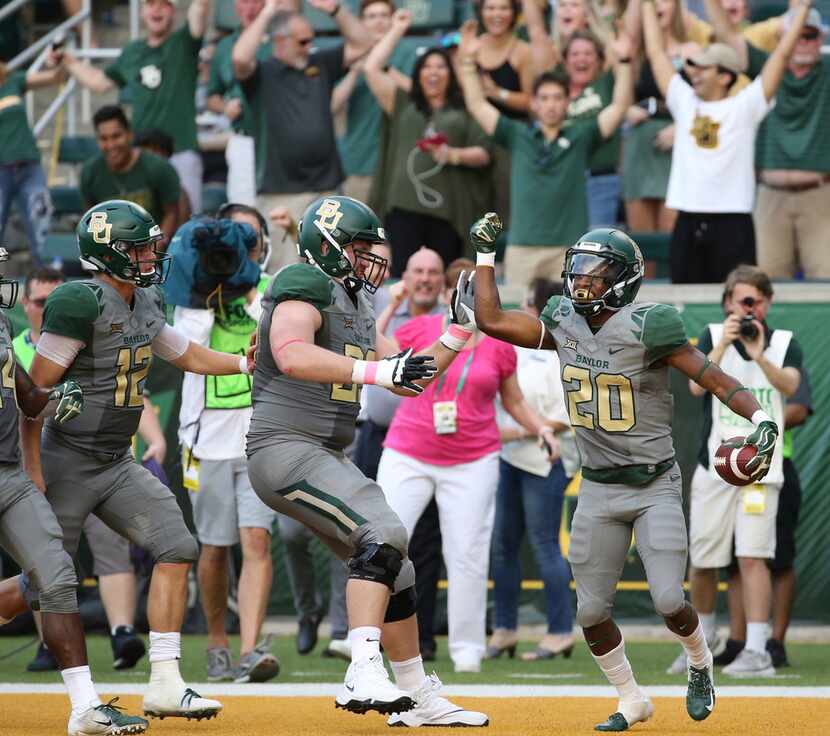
(401, 605)
(379, 563)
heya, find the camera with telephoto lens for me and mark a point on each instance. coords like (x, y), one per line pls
(747, 329)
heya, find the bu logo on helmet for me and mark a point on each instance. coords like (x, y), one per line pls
(99, 227)
(329, 214)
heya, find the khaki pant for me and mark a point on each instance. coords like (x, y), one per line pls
(358, 187)
(524, 263)
(283, 246)
(793, 228)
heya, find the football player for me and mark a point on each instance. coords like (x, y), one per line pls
(103, 333)
(614, 357)
(317, 346)
(30, 533)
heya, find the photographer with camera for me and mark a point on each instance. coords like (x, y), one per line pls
(215, 283)
(767, 362)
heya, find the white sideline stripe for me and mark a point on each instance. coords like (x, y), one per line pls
(318, 689)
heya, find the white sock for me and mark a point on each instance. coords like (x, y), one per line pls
(697, 650)
(616, 668)
(165, 646)
(707, 623)
(409, 674)
(365, 641)
(166, 673)
(82, 695)
(756, 636)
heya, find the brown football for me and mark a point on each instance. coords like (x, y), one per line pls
(730, 463)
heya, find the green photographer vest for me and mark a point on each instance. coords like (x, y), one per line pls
(231, 333)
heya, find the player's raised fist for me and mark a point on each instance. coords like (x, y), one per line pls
(485, 231)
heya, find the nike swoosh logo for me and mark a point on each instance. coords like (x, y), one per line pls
(611, 351)
(710, 706)
(350, 688)
(104, 723)
(150, 324)
(373, 640)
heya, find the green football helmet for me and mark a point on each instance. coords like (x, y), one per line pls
(329, 224)
(8, 287)
(603, 270)
(110, 230)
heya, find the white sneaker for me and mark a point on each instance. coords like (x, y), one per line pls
(467, 664)
(178, 702)
(367, 687)
(339, 648)
(750, 663)
(679, 666)
(105, 719)
(433, 710)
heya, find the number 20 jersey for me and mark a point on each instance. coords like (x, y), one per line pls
(616, 383)
(112, 366)
(292, 408)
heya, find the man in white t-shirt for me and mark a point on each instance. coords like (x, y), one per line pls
(712, 181)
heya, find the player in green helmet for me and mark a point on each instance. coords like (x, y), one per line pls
(615, 356)
(103, 333)
(317, 345)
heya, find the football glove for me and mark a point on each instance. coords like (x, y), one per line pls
(484, 233)
(763, 439)
(70, 400)
(396, 371)
(463, 302)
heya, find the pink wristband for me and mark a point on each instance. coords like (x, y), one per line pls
(455, 337)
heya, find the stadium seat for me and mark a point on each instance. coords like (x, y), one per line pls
(655, 248)
(66, 201)
(224, 16)
(213, 197)
(764, 9)
(60, 245)
(77, 149)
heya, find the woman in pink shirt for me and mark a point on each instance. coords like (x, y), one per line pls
(445, 443)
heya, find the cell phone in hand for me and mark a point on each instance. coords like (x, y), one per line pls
(433, 139)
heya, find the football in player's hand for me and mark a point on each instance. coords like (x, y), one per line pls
(731, 459)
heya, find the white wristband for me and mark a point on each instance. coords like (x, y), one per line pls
(243, 364)
(760, 416)
(486, 259)
(455, 337)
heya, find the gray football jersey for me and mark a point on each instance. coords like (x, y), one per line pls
(112, 366)
(9, 442)
(616, 383)
(323, 413)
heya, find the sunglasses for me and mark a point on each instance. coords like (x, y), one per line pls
(810, 34)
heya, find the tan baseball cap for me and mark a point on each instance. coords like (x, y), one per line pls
(172, 2)
(718, 54)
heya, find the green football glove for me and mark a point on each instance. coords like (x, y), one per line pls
(484, 233)
(70, 400)
(763, 439)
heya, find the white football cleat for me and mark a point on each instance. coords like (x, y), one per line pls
(178, 702)
(367, 687)
(433, 710)
(105, 720)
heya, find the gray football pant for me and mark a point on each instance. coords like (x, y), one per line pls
(605, 517)
(30, 533)
(296, 539)
(326, 492)
(128, 498)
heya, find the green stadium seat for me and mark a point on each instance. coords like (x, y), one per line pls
(77, 149)
(67, 201)
(60, 245)
(655, 248)
(764, 9)
(213, 197)
(224, 16)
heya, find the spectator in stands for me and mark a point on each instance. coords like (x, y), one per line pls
(110, 551)
(159, 75)
(650, 136)
(428, 185)
(160, 144)
(768, 362)
(122, 171)
(225, 97)
(445, 444)
(529, 498)
(359, 144)
(22, 181)
(792, 154)
(782, 566)
(548, 195)
(297, 157)
(712, 181)
(213, 421)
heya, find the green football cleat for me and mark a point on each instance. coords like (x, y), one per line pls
(106, 720)
(700, 695)
(635, 711)
(614, 722)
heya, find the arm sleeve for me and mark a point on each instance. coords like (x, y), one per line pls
(757, 104)
(169, 185)
(170, 344)
(506, 131)
(549, 315)
(663, 333)
(304, 283)
(475, 135)
(680, 98)
(804, 394)
(794, 356)
(194, 324)
(71, 311)
(704, 342)
(116, 70)
(59, 349)
(215, 85)
(250, 85)
(332, 61)
(506, 360)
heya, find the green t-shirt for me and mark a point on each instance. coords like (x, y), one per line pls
(593, 99)
(794, 133)
(18, 142)
(223, 81)
(162, 84)
(151, 182)
(548, 201)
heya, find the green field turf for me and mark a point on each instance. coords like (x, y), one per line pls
(649, 660)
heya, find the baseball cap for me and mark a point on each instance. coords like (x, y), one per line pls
(718, 54)
(172, 2)
(813, 20)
